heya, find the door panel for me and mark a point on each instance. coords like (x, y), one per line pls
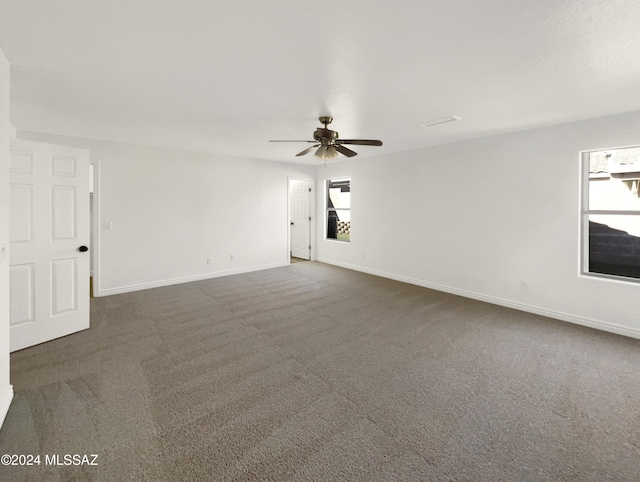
(21, 213)
(63, 166)
(64, 286)
(300, 240)
(21, 298)
(63, 212)
(49, 277)
(21, 162)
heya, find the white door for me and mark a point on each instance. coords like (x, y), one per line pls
(300, 240)
(49, 230)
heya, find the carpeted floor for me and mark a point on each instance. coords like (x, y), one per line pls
(313, 372)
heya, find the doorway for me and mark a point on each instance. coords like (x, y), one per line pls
(301, 206)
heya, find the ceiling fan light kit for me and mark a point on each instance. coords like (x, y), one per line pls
(328, 145)
(326, 152)
(442, 120)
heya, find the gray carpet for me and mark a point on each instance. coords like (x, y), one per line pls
(313, 372)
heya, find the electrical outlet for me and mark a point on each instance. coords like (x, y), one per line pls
(524, 286)
(209, 260)
(233, 258)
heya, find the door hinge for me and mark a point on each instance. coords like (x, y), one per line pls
(309, 189)
(309, 218)
(309, 246)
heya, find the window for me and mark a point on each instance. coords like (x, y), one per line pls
(339, 209)
(611, 213)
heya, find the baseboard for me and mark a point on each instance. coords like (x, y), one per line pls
(186, 279)
(6, 402)
(558, 315)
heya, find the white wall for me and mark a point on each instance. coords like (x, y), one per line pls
(171, 210)
(6, 391)
(478, 217)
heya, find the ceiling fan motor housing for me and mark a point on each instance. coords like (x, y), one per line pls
(325, 136)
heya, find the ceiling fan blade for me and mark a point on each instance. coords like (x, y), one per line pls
(295, 141)
(307, 151)
(345, 151)
(359, 142)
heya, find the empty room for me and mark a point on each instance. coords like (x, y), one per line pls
(319, 241)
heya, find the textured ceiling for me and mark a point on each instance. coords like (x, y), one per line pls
(225, 77)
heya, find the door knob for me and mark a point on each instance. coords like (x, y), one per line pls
(83, 249)
(291, 223)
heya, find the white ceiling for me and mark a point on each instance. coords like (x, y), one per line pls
(227, 76)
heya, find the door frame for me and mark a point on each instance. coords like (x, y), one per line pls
(95, 228)
(312, 214)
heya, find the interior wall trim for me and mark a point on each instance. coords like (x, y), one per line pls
(6, 402)
(185, 279)
(558, 315)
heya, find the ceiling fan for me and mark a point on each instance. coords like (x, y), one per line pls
(328, 145)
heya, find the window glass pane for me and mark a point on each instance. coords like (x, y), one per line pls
(340, 194)
(614, 245)
(338, 209)
(614, 180)
(332, 225)
(343, 215)
(343, 226)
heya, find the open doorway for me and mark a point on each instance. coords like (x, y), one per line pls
(300, 227)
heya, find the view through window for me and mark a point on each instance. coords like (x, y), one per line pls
(611, 212)
(339, 209)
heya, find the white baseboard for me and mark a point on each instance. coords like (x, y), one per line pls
(6, 402)
(558, 315)
(186, 279)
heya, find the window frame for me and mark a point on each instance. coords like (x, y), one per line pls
(585, 213)
(328, 209)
